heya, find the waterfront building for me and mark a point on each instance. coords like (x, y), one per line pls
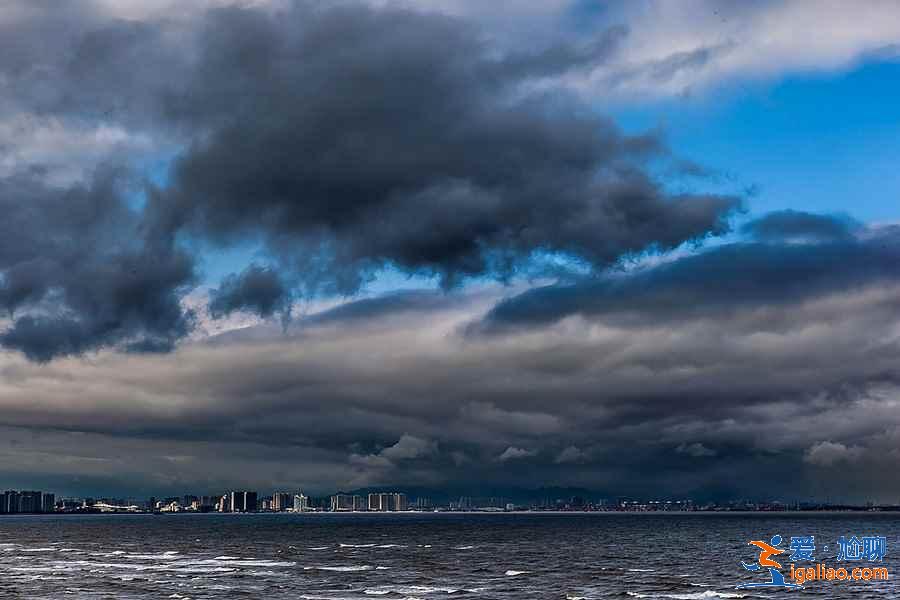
(282, 501)
(242, 501)
(29, 502)
(347, 503)
(388, 501)
(13, 502)
(70, 504)
(10, 502)
(384, 502)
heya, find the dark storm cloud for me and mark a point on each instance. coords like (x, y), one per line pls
(256, 289)
(726, 279)
(792, 224)
(77, 273)
(345, 138)
(350, 139)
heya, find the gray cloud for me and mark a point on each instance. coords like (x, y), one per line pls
(726, 279)
(685, 64)
(407, 448)
(696, 449)
(414, 147)
(257, 289)
(801, 226)
(825, 454)
(514, 453)
(78, 274)
(570, 454)
(677, 48)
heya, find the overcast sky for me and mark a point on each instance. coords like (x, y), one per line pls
(643, 247)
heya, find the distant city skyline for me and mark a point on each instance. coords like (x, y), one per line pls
(14, 502)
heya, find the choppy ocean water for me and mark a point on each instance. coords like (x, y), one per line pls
(426, 556)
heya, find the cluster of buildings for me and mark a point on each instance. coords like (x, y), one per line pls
(377, 502)
(247, 501)
(237, 501)
(15, 502)
(240, 501)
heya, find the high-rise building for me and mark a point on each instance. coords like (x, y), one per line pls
(347, 503)
(380, 502)
(301, 503)
(341, 502)
(30, 502)
(242, 501)
(388, 501)
(282, 501)
(238, 502)
(11, 502)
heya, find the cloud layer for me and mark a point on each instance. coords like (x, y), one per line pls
(421, 388)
